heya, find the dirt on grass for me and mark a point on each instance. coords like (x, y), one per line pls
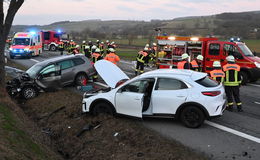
(59, 116)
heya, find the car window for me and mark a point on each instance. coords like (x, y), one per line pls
(169, 84)
(214, 49)
(65, 64)
(78, 61)
(48, 71)
(207, 82)
(137, 86)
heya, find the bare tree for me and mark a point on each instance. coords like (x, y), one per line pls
(5, 25)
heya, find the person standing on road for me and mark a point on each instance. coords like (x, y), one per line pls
(141, 56)
(112, 57)
(217, 74)
(83, 47)
(197, 63)
(232, 83)
(95, 57)
(184, 64)
(61, 47)
(87, 51)
(72, 45)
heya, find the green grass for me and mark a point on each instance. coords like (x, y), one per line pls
(16, 139)
(127, 54)
(254, 45)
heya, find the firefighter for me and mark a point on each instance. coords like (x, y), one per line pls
(197, 63)
(153, 53)
(232, 83)
(217, 73)
(90, 44)
(95, 57)
(102, 48)
(97, 43)
(61, 47)
(140, 61)
(184, 64)
(76, 49)
(83, 47)
(112, 57)
(72, 45)
(148, 57)
(87, 51)
(93, 49)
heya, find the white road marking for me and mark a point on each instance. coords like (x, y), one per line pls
(241, 134)
(35, 60)
(255, 85)
(257, 102)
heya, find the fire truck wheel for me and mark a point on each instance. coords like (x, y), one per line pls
(52, 48)
(244, 77)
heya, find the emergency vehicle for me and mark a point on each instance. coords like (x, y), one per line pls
(50, 39)
(26, 44)
(172, 47)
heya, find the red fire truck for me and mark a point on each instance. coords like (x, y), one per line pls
(171, 48)
(50, 39)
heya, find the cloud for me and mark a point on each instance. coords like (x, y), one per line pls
(49, 11)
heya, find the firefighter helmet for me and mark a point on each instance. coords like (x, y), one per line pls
(111, 50)
(97, 50)
(216, 64)
(184, 56)
(154, 44)
(94, 47)
(230, 58)
(83, 41)
(200, 57)
(146, 49)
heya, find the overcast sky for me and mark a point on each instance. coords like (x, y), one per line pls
(49, 11)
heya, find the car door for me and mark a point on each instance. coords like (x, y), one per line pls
(168, 95)
(67, 72)
(129, 98)
(49, 77)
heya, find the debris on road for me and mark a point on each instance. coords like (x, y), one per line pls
(89, 127)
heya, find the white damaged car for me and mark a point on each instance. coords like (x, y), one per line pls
(189, 96)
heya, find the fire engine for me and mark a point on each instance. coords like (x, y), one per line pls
(26, 44)
(170, 49)
(50, 39)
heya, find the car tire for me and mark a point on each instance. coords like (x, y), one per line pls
(79, 79)
(244, 77)
(192, 117)
(12, 57)
(102, 107)
(53, 48)
(29, 92)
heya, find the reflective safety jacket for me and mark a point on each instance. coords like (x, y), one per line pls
(218, 75)
(72, 45)
(96, 57)
(141, 56)
(196, 66)
(61, 45)
(183, 65)
(112, 57)
(232, 74)
(83, 47)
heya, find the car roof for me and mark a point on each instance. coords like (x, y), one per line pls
(55, 59)
(174, 73)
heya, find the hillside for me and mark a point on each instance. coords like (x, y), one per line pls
(244, 24)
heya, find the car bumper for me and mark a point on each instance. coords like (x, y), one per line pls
(220, 111)
(20, 54)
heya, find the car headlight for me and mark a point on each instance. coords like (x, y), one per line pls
(87, 95)
(10, 49)
(257, 64)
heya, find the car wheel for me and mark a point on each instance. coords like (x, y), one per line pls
(12, 57)
(52, 48)
(102, 107)
(244, 77)
(192, 117)
(29, 92)
(80, 78)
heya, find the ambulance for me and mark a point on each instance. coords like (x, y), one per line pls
(172, 47)
(26, 45)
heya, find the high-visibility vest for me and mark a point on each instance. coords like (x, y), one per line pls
(228, 76)
(196, 66)
(141, 55)
(112, 57)
(218, 75)
(61, 45)
(95, 57)
(82, 47)
(181, 64)
(72, 44)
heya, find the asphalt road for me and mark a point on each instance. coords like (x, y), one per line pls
(232, 136)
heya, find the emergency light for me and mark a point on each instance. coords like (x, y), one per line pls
(32, 32)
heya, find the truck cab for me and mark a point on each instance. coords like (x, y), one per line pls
(219, 50)
(50, 39)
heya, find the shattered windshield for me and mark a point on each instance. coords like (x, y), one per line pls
(245, 50)
(34, 70)
(21, 41)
